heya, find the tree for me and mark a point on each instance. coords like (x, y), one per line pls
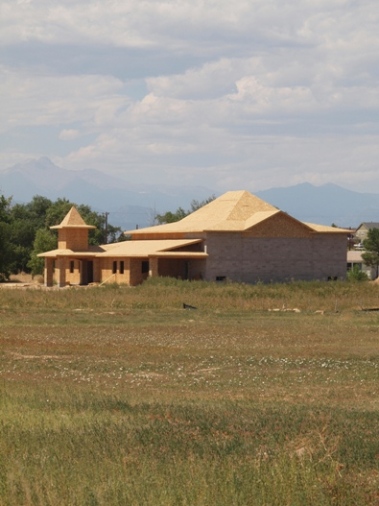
(45, 240)
(170, 217)
(197, 204)
(180, 213)
(371, 246)
(26, 219)
(5, 243)
(21, 241)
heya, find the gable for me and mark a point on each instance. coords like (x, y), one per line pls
(279, 225)
(366, 226)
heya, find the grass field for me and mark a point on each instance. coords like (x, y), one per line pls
(263, 395)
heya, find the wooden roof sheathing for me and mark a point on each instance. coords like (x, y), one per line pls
(72, 220)
(127, 249)
(235, 211)
(144, 248)
(60, 252)
(242, 225)
(326, 229)
(227, 213)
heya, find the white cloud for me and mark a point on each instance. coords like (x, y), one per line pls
(30, 99)
(254, 92)
(69, 134)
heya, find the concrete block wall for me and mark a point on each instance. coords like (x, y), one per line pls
(276, 259)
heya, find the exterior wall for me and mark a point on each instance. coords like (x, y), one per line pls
(139, 270)
(173, 267)
(73, 271)
(136, 270)
(275, 259)
(111, 273)
(67, 271)
(197, 269)
(362, 232)
(97, 274)
(73, 238)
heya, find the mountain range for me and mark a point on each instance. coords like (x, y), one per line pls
(132, 205)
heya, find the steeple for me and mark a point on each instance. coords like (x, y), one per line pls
(72, 220)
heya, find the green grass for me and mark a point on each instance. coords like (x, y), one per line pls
(119, 396)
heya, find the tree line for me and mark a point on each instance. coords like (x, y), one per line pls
(25, 232)
(180, 213)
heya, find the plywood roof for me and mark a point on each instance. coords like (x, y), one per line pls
(125, 249)
(72, 220)
(144, 248)
(229, 212)
(232, 212)
(326, 229)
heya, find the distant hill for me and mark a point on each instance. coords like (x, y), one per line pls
(326, 204)
(130, 205)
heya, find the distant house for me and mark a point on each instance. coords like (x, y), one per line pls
(236, 237)
(362, 230)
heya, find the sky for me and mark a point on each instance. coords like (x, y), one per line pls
(249, 94)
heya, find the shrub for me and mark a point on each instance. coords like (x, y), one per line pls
(356, 274)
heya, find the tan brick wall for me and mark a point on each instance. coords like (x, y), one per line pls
(252, 259)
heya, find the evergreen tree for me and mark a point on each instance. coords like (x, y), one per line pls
(371, 246)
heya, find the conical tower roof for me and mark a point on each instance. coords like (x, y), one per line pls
(73, 220)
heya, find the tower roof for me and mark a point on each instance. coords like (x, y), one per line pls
(72, 220)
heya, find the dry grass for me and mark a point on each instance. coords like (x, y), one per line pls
(120, 396)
